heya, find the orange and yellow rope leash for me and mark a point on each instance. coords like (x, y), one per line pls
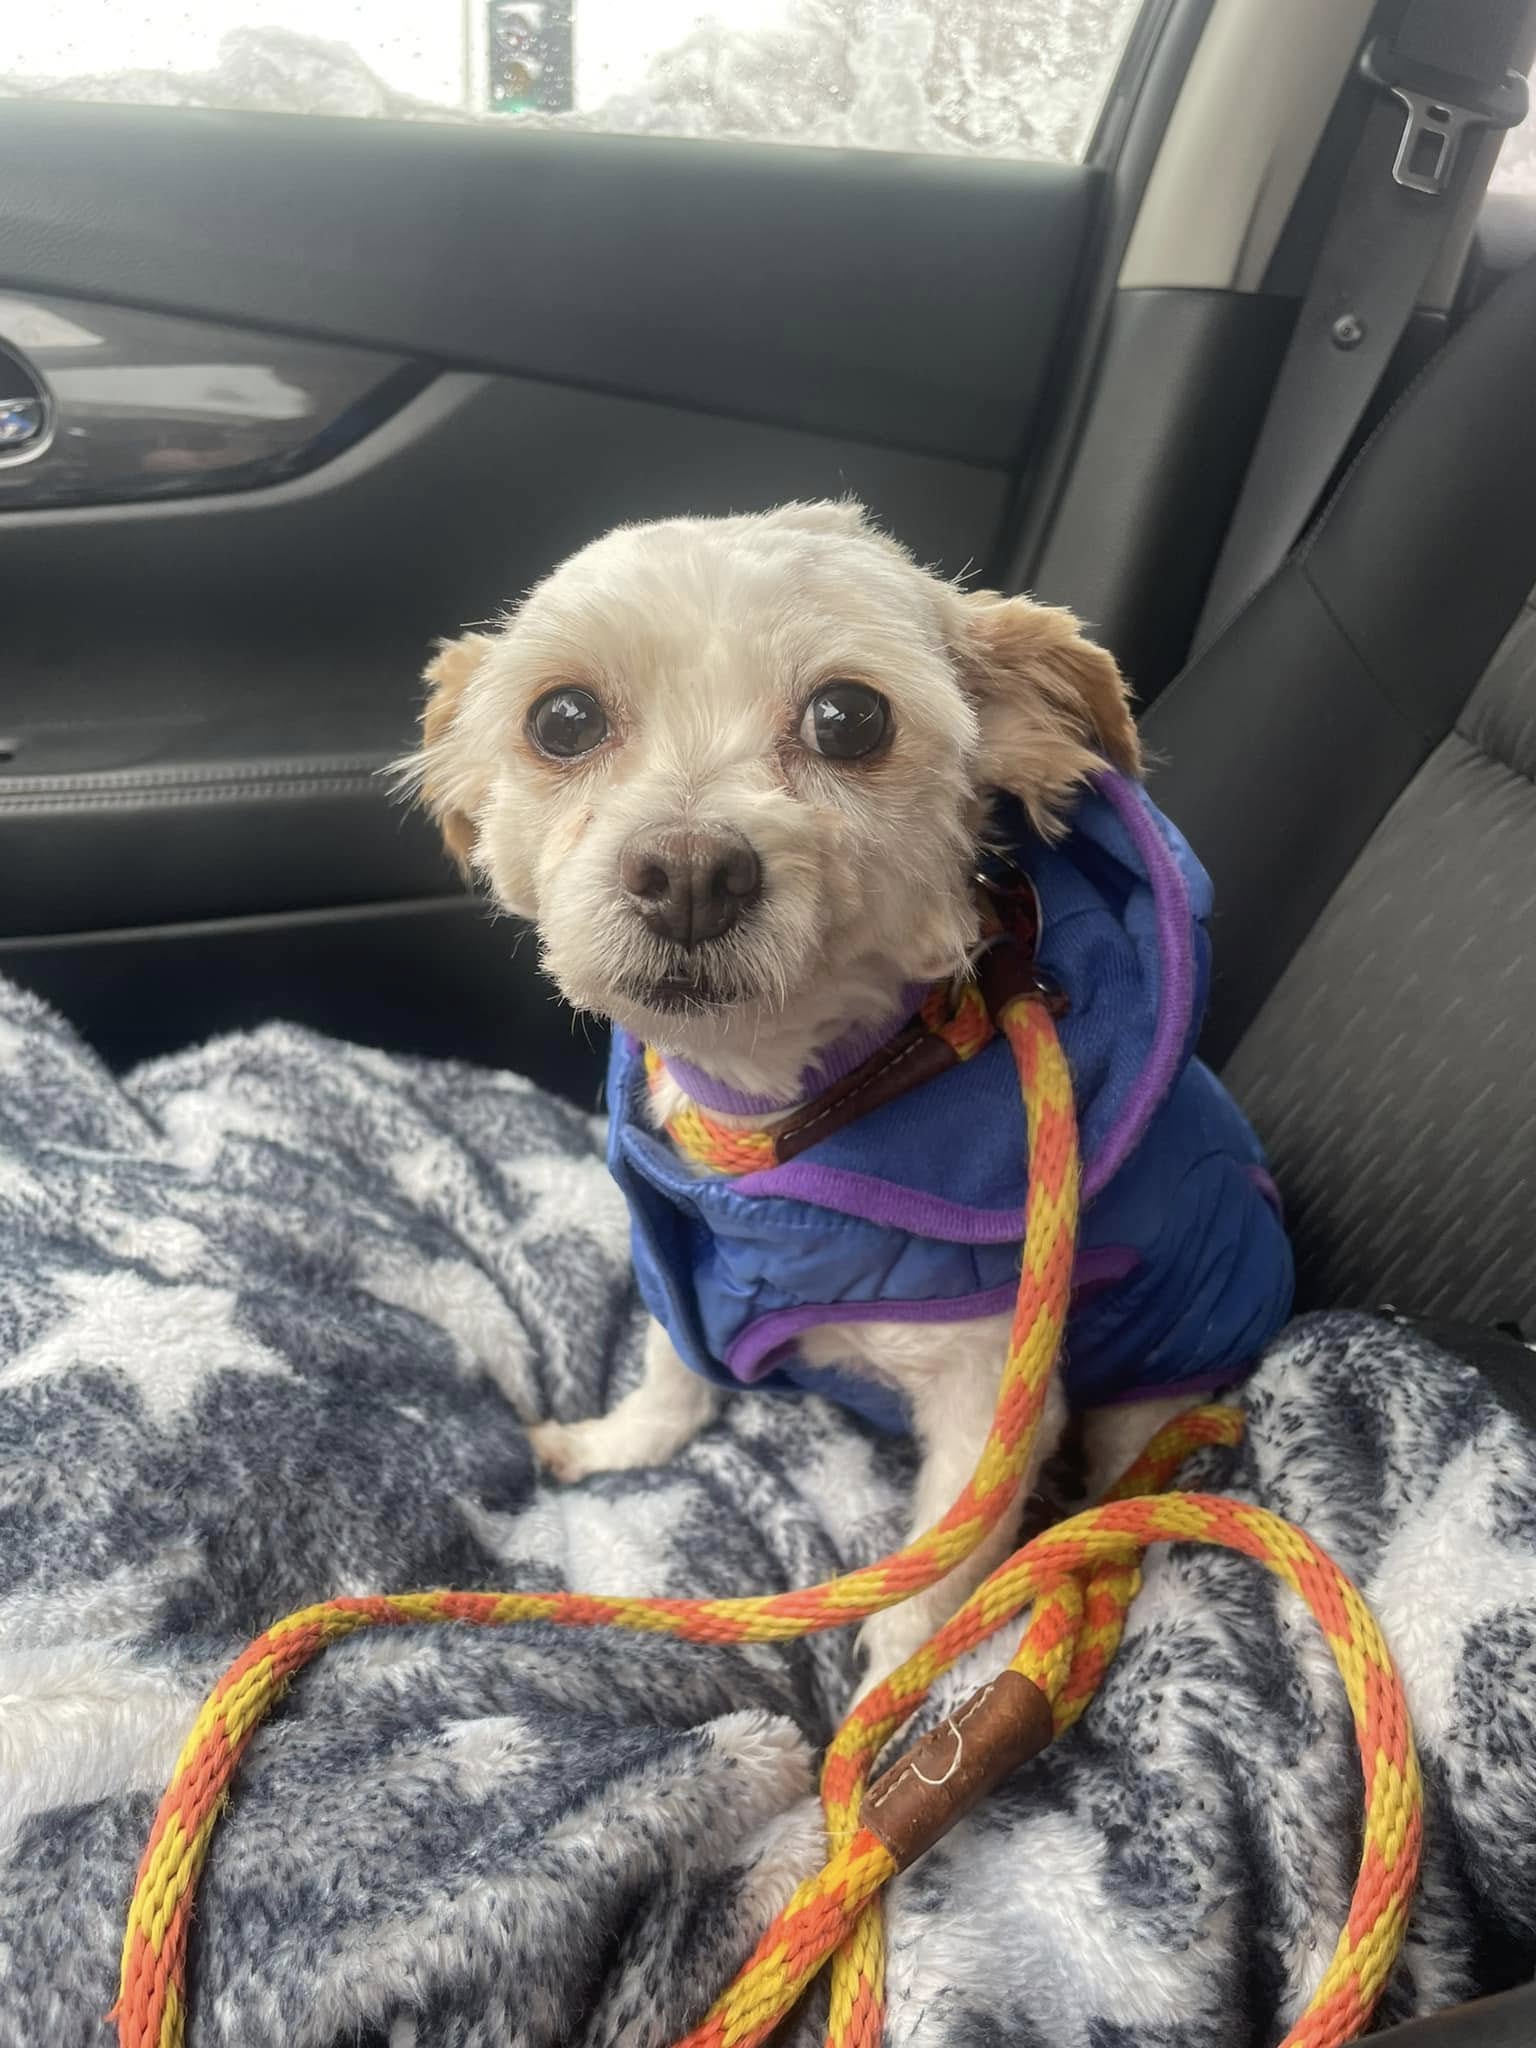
(1079, 1579)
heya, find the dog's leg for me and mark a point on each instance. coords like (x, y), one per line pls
(652, 1422)
(1113, 1438)
(952, 1389)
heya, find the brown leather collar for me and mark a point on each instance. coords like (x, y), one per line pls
(1005, 969)
(913, 1056)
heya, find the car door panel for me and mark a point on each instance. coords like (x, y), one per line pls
(264, 647)
(908, 300)
(1183, 380)
(431, 976)
(503, 343)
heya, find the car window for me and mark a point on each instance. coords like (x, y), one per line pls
(1011, 78)
(1515, 170)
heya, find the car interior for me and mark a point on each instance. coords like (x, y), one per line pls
(292, 397)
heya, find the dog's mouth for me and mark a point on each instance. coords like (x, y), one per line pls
(707, 983)
(683, 992)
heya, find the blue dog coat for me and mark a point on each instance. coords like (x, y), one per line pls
(914, 1212)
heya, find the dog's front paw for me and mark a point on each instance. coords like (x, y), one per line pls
(570, 1450)
(651, 1424)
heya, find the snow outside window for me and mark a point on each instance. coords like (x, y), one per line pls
(1002, 78)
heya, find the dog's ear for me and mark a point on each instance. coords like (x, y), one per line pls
(446, 676)
(1053, 707)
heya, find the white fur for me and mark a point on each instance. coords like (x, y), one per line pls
(704, 640)
(1113, 1438)
(651, 1423)
(949, 1374)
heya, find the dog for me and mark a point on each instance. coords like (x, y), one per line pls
(740, 774)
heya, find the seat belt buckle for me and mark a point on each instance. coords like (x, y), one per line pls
(1441, 108)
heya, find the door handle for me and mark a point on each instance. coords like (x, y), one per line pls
(25, 412)
(133, 405)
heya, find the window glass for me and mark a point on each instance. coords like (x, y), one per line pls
(1012, 78)
(1515, 170)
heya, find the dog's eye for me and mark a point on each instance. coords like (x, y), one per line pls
(568, 722)
(845, 721)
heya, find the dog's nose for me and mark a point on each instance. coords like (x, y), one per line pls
(691, 884)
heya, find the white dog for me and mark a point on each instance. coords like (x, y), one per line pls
(737, 772)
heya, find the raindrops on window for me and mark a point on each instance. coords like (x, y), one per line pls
(1008, 78)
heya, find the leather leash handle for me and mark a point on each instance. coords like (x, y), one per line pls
(954, 1766)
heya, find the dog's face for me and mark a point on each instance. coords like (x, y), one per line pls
(734, 769)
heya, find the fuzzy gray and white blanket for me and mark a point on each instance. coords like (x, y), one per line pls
(273, 1316)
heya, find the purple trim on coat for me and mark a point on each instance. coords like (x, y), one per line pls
(834, 1063)
(884, 1201)
(749, 1355)
(1175, 990)
(1265, 1184)
(1101, 1267)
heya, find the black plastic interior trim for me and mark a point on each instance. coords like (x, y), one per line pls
(207, 846)
(1504, 1359)
(1129, 136)
(1505, 2022)
(1182, 386)
(296, 619)
(155, 405)
(436, 978)
(911, 301)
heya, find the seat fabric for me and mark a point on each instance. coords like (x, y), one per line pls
(1355, 761)
(1393, 1071)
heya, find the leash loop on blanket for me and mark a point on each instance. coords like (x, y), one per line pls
(1076, 1580)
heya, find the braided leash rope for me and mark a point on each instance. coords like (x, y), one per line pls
(1082, 1575)
(1078, 1578)
(1073, 1634)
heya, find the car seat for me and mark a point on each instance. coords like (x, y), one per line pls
(1355, 758)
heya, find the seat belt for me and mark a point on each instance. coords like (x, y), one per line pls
(1446, 72)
